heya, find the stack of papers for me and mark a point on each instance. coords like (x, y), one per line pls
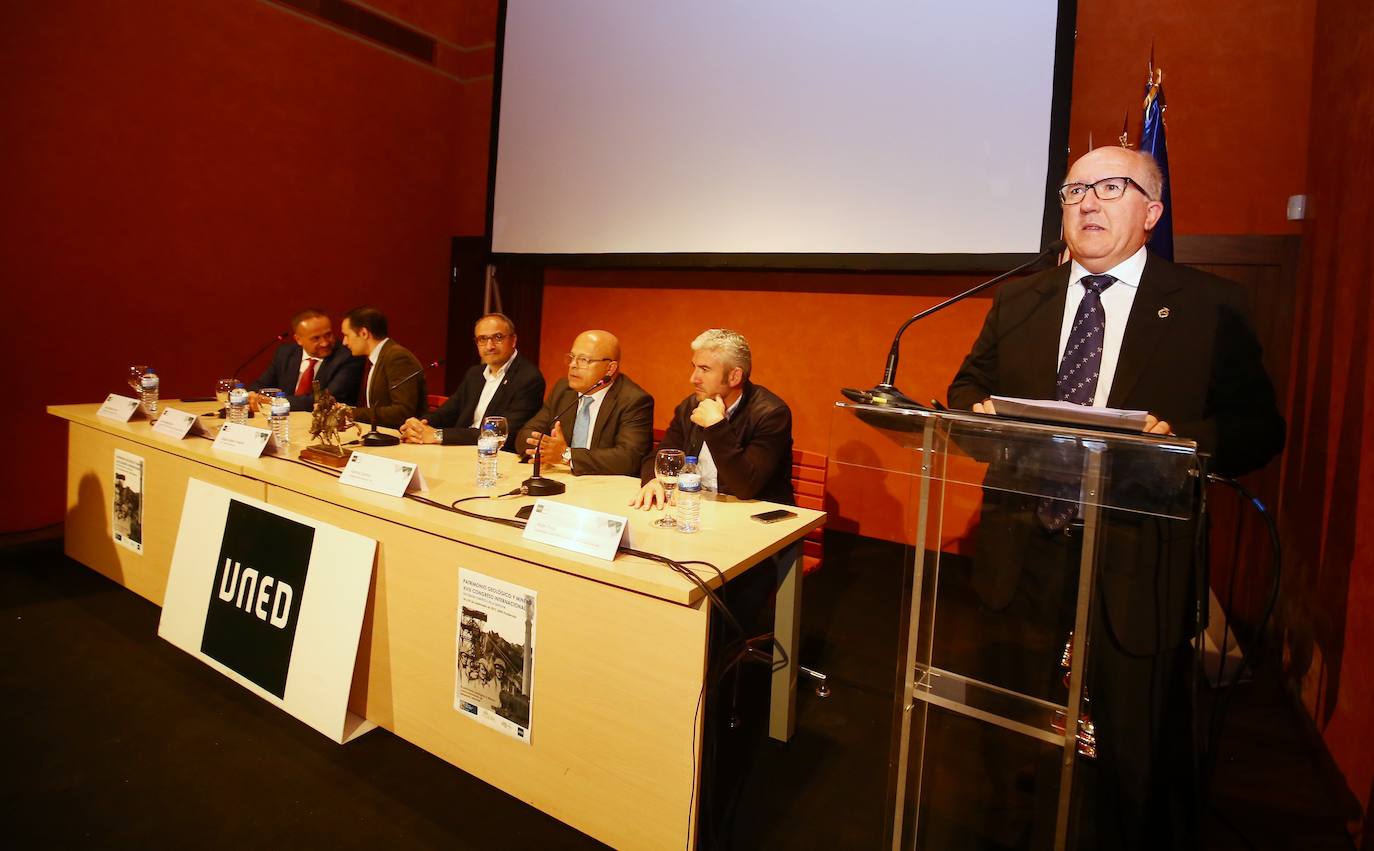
(1067, 412)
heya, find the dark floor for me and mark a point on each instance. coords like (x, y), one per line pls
(118, 740)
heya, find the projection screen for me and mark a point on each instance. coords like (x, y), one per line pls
(781, 132)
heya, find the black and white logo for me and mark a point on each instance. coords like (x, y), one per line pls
(255, 602)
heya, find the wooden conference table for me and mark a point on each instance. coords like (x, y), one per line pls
(618, 703)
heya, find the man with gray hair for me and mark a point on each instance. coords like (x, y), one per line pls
(741, 432)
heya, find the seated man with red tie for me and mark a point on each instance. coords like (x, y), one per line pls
(314, 356)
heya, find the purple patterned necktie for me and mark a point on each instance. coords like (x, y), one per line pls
(1082, 361)
(1077, 381)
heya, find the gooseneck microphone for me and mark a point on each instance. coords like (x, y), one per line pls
(377, 438)
(537, 485)
(254, 355)
(886, 393)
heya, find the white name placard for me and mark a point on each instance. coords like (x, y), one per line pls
(241, 439)
(581, 530)
(117, 407)
(383, 475)
(174, 424)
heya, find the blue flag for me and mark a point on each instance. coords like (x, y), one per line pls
(1152, 142)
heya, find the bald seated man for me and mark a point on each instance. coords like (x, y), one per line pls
(596, 420)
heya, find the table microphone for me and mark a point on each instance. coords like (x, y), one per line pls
(537, 485)
(886, 393)
(377, 438)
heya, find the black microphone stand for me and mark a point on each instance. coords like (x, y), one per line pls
(223, 413)
(254, 355)
(377, 438)
(537, 485)
(886, 393)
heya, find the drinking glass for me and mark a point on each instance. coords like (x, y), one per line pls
(501, 429)
(222, 388)
(667, 464)
(136, 378)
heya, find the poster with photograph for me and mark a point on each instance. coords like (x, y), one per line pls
(494, 670)
(127, 510)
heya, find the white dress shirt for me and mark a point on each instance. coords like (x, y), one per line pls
(306, 360)
(494, 380)
(372, 358)
(1116, 304)
(706, 465)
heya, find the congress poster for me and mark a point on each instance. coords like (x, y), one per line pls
(494, 669)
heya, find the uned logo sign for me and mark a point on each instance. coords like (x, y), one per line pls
(256, 598)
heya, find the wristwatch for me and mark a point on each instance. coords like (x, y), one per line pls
(438, 435)
(567, 455)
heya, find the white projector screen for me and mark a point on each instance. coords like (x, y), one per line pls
(786, 128)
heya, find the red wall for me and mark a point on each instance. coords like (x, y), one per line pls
(810, 334)
(1328, 472)
(1238, 83)
(181, 177)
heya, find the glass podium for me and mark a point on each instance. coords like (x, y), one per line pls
(1006, 524)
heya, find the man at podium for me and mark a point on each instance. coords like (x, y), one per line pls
(1119, 327)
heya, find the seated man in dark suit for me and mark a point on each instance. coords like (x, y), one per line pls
(596, 420)
(314, 356)
(394, 389)
(741, 432)
(503, 385)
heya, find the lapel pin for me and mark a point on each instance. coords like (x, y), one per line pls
(1164, 313)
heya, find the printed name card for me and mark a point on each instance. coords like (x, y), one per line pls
(117, 407)
(174, 424)
(241, 439)
(581, 530)
(383, 475)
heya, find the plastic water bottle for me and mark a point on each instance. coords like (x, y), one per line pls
(147, 390)
(281, 420)
(237, 412)
(689, 497)
(488, 444)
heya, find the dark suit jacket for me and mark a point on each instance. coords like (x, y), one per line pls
(1190, 357)
(340, 374)
(517, 398)
(621, 438)
(752, 450)
(393, 407)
